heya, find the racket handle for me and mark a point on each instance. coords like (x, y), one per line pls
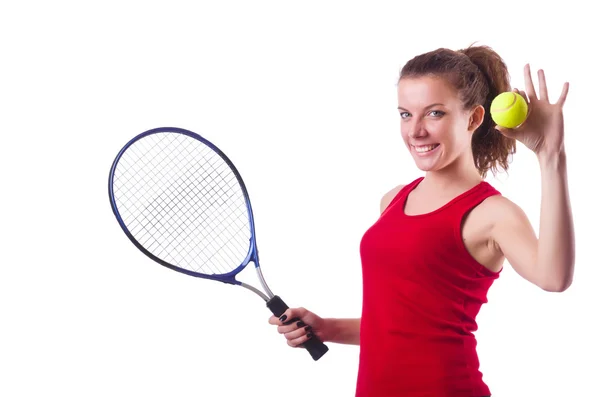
(314, 346)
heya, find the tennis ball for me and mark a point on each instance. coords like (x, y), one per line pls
(509, 110)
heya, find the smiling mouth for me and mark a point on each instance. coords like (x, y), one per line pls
(425, 148)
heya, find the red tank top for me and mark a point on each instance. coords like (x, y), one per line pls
(422, 291)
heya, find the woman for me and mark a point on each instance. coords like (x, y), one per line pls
(442, 239)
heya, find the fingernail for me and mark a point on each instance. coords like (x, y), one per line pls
(300, 324)
(308, 328)
(283, 318)
(309, 335)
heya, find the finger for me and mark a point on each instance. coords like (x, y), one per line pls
(563, 95)
(300, 340)
(298, 333)
(523, 94)
(288, 314)
(278, 320)
(529, 88)
(293, 314)
(542, 85)
(291, 326)
(528, 106)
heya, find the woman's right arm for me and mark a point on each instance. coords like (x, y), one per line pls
(299, 324)
(344, 330)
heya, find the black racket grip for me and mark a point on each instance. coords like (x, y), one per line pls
(314, 346)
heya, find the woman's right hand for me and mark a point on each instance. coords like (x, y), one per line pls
(298, 325)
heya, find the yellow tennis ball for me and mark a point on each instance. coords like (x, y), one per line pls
(509, 110)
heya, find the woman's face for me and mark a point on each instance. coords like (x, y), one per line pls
(434, 125)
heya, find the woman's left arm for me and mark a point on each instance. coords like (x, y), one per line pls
(547, 261)
(556, 246)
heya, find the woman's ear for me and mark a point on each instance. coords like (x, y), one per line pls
(476, 118)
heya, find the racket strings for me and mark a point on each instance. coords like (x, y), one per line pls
(182, 202)
(175, 224)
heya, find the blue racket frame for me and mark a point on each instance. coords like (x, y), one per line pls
(252, 256)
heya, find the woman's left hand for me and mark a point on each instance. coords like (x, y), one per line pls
(543, 130)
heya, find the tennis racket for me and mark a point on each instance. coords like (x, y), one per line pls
(183, 203)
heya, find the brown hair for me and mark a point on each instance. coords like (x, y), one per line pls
(479, 74)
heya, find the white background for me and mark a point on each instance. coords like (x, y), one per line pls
(301, 95)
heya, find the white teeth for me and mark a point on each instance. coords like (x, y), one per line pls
(423, 149)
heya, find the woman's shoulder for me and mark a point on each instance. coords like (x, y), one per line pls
(389, 196)
(499, 213)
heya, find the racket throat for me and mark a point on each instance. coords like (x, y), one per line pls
(264, 283)
(255, 290)
(266, 296)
